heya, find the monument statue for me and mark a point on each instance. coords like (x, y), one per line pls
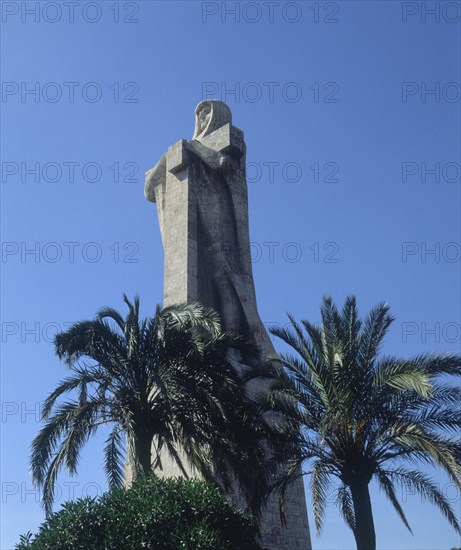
(200, 189)
(201, 194)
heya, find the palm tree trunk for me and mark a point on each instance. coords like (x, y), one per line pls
(144, 453)
(364, 532)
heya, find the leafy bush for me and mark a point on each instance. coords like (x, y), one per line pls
(166, 514)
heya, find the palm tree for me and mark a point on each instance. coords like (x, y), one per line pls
(359, 416)
(164, 384)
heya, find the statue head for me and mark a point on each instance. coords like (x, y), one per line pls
(210, 115)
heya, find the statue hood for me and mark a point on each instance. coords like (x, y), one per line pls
(220, 114)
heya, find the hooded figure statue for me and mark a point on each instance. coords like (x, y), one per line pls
(218, 223)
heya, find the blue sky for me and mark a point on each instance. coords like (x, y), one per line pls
(351, 114)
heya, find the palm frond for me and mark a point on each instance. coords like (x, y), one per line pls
(113, 314)
(422, 484)
(50, 480)
(402, 375)
(113, 457)
(47, 440)
(433, 448)
(319, 485)
(65, 386)
(386, 484)
(346, 505)
(374, 329)
(192, 315)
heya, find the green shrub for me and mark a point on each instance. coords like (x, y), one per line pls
(160, 514)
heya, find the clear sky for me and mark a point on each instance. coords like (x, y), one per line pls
(351, 114)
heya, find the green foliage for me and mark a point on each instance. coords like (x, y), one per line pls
(359, 416)
(166, 382)
(160, 514)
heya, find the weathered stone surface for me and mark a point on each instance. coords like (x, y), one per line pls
(200, 189)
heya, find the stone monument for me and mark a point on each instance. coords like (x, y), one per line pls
(200, 189)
